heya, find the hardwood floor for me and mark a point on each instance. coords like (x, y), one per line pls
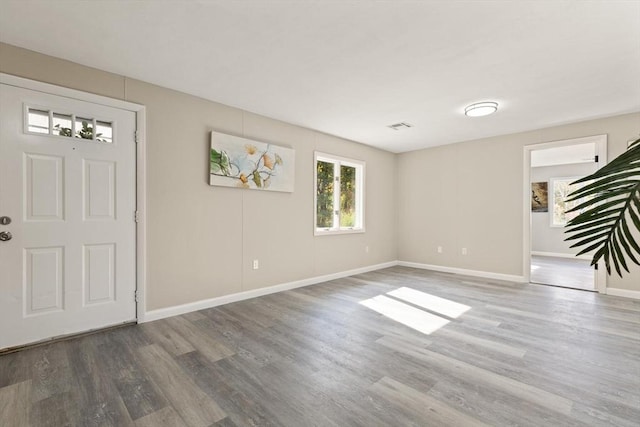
(566, 272)
(509, 354)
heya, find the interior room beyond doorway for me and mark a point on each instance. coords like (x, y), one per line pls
(553, 170)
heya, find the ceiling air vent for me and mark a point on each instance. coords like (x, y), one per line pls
(400, 126)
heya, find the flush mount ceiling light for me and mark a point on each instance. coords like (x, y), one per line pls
(399, 126)
(480, 109)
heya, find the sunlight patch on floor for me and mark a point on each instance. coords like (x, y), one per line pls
(408, 315)
(430, 302)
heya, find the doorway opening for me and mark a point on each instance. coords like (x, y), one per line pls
(550, 169)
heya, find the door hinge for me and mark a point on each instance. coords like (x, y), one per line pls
(135, 295)
(136, 216)
(136, 136)
(595, 266)
(597, 158)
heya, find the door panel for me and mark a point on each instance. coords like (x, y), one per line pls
(99, 190)
(70, 266)
(43, 278)
(43, 187)
(99, 273)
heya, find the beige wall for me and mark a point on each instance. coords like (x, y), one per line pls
(471, 195)
(202, 239)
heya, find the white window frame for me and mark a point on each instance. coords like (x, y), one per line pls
(360, 183)
(552, 198)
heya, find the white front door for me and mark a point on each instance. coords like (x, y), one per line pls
(67, 186)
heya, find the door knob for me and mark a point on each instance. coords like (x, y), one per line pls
(4, 236)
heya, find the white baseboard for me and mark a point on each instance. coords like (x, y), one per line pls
(462, 271)
(226, 299)
(561, 255)
(627, 293)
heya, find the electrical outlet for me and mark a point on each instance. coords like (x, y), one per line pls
(256, 264)
(439, 249)
(464, 251)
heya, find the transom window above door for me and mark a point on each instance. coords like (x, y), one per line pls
(49, 122)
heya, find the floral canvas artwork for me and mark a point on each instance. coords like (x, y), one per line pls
(243, 163)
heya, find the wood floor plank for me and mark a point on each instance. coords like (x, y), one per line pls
(14, 404)
(478, 319)
(50, 371)
(165, 417)
(247, 314)
(523, 391)
(467, 339)
(496, 407)
(194, 316)
(15, 368)
(245, 378)
(621, 332)
(308, 399)
(228, 391)
(587, 415)
(98, 399)
(424, 406)
(564, 380)
(211, 348)
(225, 422)
(354, 404)
(117, 354)
(159, 332)
(194, 406)
(242, 341)
(61, 409)
(554, 335)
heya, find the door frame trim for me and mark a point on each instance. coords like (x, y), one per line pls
(601, 143)
(141, 162)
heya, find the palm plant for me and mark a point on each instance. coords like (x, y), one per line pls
(612, 204)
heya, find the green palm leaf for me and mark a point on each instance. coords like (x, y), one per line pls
(612, 197)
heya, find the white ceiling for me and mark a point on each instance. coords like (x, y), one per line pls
(350, 68)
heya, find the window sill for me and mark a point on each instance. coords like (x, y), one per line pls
(321, 232)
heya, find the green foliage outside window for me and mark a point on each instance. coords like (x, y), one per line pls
(347, 196)
(324, 194)
(86, 132)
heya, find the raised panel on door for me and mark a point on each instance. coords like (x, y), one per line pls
(43, 280)
(99, 189)
(99, 273)
(43, 187)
